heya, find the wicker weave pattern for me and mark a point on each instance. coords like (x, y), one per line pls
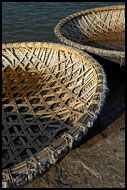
(82, 28)
(50, 93)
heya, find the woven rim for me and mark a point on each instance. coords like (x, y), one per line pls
(29, 169)
(113, 53)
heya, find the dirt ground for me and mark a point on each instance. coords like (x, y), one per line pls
(97, 163)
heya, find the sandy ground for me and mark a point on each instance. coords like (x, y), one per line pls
(97, 163)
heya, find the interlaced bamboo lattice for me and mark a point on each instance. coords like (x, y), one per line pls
(105, 26)
(51, 94)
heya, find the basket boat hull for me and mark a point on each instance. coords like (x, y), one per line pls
(73, 86)
(82, 28)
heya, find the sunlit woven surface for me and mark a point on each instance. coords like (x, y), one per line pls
(51, 95)
(100, 31)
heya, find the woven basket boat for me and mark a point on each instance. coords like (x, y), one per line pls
(99, 31)
(51, 94)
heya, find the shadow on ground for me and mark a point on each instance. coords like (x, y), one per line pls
(114, 105)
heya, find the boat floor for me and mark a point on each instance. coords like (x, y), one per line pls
(99, 160)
